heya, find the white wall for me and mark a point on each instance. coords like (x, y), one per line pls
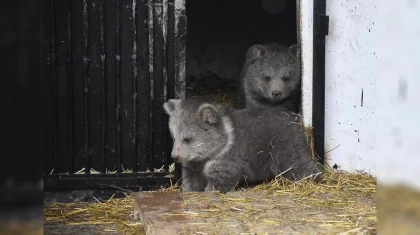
(350, 85)
(398, 92)
(305, 27)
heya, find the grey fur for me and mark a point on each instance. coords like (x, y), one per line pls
(220, 148)
(281, 65)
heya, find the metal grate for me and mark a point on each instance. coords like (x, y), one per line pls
(110, 65)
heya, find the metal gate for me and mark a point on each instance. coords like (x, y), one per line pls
(111, 64)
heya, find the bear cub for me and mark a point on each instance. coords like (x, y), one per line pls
(270, 77)
(220, 148)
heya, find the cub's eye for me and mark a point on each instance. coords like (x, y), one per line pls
(186, 140)
(267, 78)
(286, 79)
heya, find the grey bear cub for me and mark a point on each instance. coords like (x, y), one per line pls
(271, 77)
(221, 148)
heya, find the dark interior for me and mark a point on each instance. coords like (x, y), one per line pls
(219, 33)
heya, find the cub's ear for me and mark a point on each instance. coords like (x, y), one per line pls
(171, 105)
(294, 50)
(208, 114)
(255, 52)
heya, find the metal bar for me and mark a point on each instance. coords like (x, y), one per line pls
(117, 87)
(170, 65)
(70, 88)
(159, 86)
(96, 88)
(77, 66)
(180, 48)
(110, 99)
(134, 81)
(104, 159)
(151, 85)
(86, 87)
(54, 90)
(180, 56)
(126, 88)
(143, 86)
(318, 101)
(48, 73)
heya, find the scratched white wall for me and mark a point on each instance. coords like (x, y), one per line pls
(398, 92)
(305, 33)
(350, 85)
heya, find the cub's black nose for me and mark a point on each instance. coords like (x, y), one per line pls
(276, 94)
(175, 157)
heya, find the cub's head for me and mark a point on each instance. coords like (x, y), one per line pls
(199, 129)
(272, 72)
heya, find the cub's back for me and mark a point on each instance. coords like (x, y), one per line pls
(258, 130)
(266, 120)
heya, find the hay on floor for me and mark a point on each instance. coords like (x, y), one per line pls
(348, 198)
(115, 211)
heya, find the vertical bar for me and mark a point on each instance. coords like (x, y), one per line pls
(306, 40)
(126, 88)
(180, 54)
(78, 86)
(170, 68)
(54, 89)
(159, 86)
(318, 101)
(110, 38)
(180, 47)
(143, 86)
(165, 86)
(104, 159)
(134, 85)
(70, 88)
(63, 101)
(41, 89)
(86, 87)
(151, 85)
(118, 89)
(170, 50)
(96, 88)
(49, 70)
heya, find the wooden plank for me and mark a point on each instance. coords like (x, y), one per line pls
(167, 213)
(152, 206)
